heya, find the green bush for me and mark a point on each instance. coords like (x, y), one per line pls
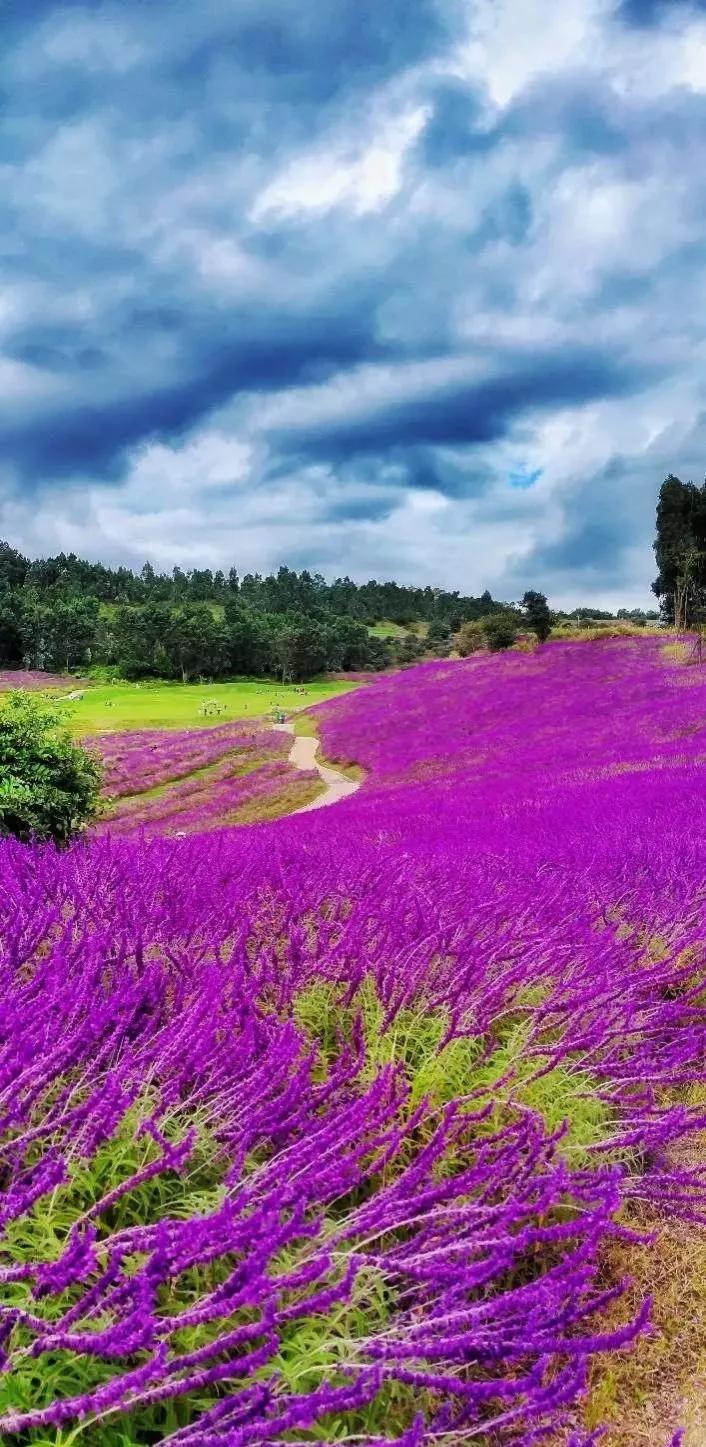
(470, 638)
(104, 673)
(49, 786)
(500, 631)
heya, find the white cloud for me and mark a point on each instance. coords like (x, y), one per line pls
(362, 174)
(210, 460)
(511, 42)
(80, 40)
(71, 180)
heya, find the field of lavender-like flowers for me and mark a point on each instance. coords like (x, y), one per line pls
(371, 1124)
(162, 781)
(34, 681)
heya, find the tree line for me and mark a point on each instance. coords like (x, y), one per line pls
(680, 551)
(65, 613)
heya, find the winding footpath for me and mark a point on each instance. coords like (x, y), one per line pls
(303, 756)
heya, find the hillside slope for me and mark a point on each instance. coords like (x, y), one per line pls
(333, 1126)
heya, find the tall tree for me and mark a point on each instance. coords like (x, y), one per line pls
(70, 628)
(537, 614)
(300, 647)
(680, 549)
(249, 641)
(11, 650)
(13, 567)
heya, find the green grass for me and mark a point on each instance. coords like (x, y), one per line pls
(114, 707)
(398, 630)
(505, 1077)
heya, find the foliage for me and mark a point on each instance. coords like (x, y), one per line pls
(69, 613)
(538, 615)
(408, 648)
(680, 549)
(500, 631)
(58, 633)
(470, 638)
(638, 615)
(49, 786)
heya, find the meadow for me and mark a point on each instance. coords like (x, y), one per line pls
(398, 630)
(174, 782)
(379, 1124)
(172, 763)
(109, 707)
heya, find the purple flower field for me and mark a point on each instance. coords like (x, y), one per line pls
(334, 1129)
(146, 758)
(197, 803)
(204, 778)
(33, 680)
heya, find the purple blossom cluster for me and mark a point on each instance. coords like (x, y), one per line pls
(33, 679)
(367, 1252)
(206, 778)
(213, 800)
(146, 758)
(557, 706)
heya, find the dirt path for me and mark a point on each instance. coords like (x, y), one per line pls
(303, 756)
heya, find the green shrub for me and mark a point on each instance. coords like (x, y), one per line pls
(49, 786)
(500, 631)
(104, 673)
(470, 638)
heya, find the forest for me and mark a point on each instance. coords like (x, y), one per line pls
(64, 613)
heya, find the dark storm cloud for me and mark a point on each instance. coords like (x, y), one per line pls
(600, 531)
(262, 74)
(652, 12)
(469, 413)
(364, 493)
(253, 354)
(457, 126)
(587, 544)
(588, 119)
(310, 53)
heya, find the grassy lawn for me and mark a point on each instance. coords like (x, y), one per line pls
(110, 707)
(395, 630)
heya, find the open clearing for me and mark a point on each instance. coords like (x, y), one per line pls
(398, 630)
(107, 707)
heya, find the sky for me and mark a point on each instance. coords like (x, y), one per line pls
(413, 289)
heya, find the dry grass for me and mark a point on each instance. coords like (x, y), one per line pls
(287, 800)
(600, 631)
(677, 652)
(645, 1394)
